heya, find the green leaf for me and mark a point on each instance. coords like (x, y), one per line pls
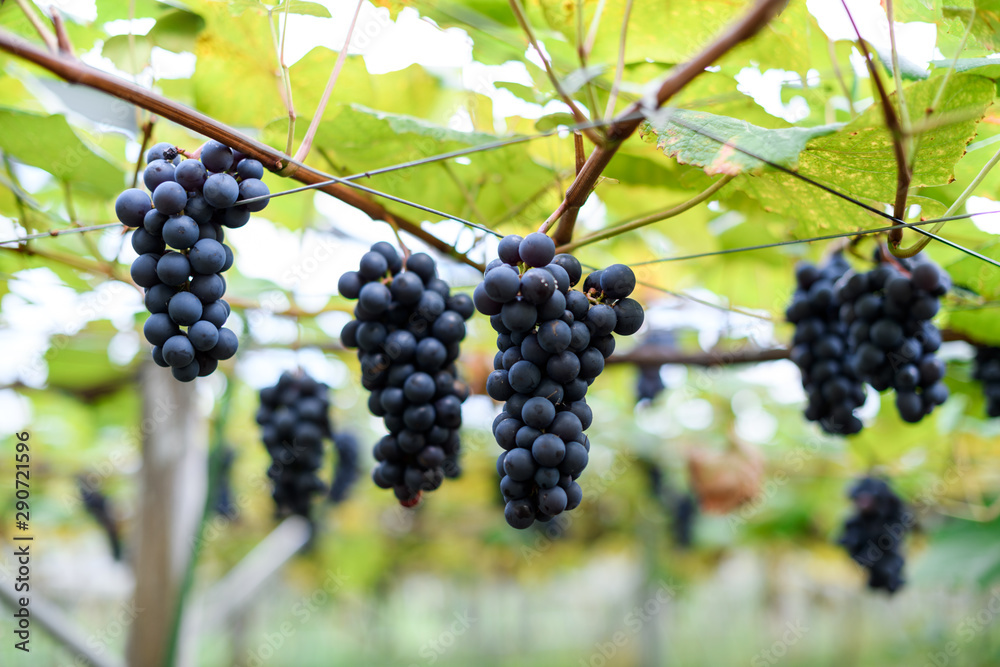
(118, 50)
(303, 8)
(988, 67)
(526, 93)
(49, 143)
(705, 140)
(177, 31)
(986, 26)
(481, 187)
(982, 325)
(977, 275)
(859, 160)
(554, 120)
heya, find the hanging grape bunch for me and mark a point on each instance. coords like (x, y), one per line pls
(891, 340)
(293, 424)
(819, 346)
(407, 328)
(178, 237)
(987, 371)
(552, 343)
(874, 534)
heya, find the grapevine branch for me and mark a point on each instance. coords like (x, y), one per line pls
(42, 30)
(904, 172)
(654, 355)
(74, 71)
(515, 6)
(334, 75)
(577, 193)
(648, 219)
(286, 81)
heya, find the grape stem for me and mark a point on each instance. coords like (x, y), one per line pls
(286, 77)
(50, 40)
(904, 172)
(147, 134)
(306, 144)
(955, 206)
(620, 69)
(74, 71)
(515, 6)
(62, 37)
(628, 121)
(648, 219)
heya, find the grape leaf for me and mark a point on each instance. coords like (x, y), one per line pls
(859, 161)
(303, 8)
(706, 140)
(985, 26)
(49, 143)
(481, 186)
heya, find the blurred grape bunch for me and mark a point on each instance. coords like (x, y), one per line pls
(987, 370)
(223, 502)
(681, 507)
(874, 534)
(650, 382)
(293, 424)
(345, 467)
(99, 507)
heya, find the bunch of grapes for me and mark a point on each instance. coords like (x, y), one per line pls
(987, 371)
(345, 470)
(178, 237)
(891, 340)
(833, 389)
(293, 424)
(552, 342)
(407, 328)
(874, 534)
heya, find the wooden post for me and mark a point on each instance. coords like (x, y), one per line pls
(173, 484)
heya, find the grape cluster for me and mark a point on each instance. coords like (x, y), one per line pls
(874, 534)
(987, 371)
(345, 470)
(891, 340)
(552, 343)
(407, 328)
(293, 424)
(819, 345)
(178, 238)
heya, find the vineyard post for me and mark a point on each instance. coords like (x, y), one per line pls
(173, 482)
